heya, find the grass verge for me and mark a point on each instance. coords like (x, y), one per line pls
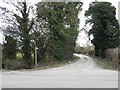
(104, 63)
(62, 63)
(59, 64)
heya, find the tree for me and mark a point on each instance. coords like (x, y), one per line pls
(22, 26)
(25, 25)
(54, 30)
(60, 23)
(9, 48)
(105, 27)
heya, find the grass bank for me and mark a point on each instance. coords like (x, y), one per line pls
(104, 63)
(58, 64)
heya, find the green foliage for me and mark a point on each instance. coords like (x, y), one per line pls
(12, 64)
(25, 26)
(19, 29)
(19, 56)
(84, 50)
(9, 48)
(105, 27)
(0, 56)
(54, 33)
(60, 23)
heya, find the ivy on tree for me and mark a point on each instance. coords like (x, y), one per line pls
(105, 27)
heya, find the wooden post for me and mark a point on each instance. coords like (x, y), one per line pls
(36, 57)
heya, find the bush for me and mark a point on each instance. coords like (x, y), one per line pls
(91, 52)
(12, 64)
(16, 63)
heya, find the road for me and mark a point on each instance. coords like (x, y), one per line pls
(81, 74)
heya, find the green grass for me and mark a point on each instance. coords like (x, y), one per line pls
(104, 63)
(19, 56)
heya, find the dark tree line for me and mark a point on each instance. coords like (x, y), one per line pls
(53, 30)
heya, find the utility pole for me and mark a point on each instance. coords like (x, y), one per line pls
(36, 48)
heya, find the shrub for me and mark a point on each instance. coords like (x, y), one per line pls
(91, 52)
(12, 64)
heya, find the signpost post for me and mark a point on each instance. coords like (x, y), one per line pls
(36, 56)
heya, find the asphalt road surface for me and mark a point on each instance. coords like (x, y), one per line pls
(81, 74)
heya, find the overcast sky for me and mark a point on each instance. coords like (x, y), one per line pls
(82, 39)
